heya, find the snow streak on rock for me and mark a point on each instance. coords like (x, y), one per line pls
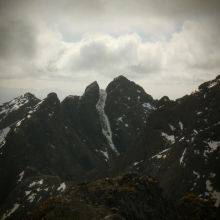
(3, 134)
(13, 105)
(161, 154)
(106, 128)
(11, 211)
(182, 157)
(21, 176)
(169, 138)
(62, 187)
(214, 194)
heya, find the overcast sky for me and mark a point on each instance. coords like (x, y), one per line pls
(169, 47)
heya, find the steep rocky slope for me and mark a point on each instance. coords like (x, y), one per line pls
(49, 145)
(16, 109)
(185, 154)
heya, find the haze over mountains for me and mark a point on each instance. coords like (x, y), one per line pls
(96, 150)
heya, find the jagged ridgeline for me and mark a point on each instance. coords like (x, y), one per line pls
(111, 154)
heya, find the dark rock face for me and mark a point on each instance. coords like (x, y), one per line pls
(44, 141)
(127, 106)
(104, 134)
(186, 139)
(89, 118)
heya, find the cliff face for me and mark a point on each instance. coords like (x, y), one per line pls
(105, 133)
(188, 130)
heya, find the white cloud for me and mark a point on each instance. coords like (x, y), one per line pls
(163, 46)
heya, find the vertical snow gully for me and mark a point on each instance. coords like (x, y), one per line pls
(106, 128)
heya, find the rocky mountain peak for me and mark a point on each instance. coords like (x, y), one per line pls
(92, 90)
(16, 109)
(163, 101)
(121, 78)
(92, 86)
(210, 84)
(127, 107)
(52, 98)
(124, 88)
(29, 95)
(120, 81)
(91, 94)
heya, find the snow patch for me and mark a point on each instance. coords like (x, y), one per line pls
(38, 189)
(18, 123)
(105, 154)
(27, 193)
(40, 182)
(212, 175)
(214, 145)
(106, 128)
(148, 107)
(172, 127)
(31, 197)
(11, 211)
(21, 176)
(195, 131)
(169, 138)
(161, 154)
(181, 125)
(137, 162)
(120, 119)
(215, 194)
(182, 157)
(37, 106)
(3, 134)
(13, 105)
(196, 174)
(212, 84)
(62, 187)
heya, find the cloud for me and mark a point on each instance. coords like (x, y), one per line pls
(16, 40)
(153, 42)
(190, 50)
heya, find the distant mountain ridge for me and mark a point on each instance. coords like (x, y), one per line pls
(47, 145)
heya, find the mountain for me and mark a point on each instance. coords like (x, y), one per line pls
(189, 131)
(49, 149)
